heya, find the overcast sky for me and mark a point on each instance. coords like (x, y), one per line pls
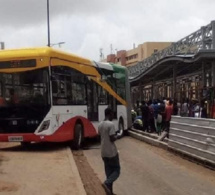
(88, 25)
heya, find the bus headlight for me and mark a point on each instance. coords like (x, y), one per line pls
(44, 126)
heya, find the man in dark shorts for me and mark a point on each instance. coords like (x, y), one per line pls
(109, 151)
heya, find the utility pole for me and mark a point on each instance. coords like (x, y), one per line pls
(48, 24)
(2, 46)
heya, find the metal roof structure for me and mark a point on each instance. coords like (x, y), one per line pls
(189, 50)
(162, 69)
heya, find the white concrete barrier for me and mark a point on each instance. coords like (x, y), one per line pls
(193, 135)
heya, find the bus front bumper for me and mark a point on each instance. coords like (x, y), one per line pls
(31, 137)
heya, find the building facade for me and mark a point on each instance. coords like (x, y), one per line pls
(137, 54)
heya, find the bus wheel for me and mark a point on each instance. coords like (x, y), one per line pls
(78, 137)
(25, 144)
(121, 128)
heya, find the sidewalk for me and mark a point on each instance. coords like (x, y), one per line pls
(38, 170)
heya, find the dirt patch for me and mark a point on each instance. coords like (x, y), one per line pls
(1, 159)
(8, 187)
(91, 182)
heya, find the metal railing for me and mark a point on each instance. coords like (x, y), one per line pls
(203, 38)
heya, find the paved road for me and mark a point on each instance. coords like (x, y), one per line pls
(148, 170)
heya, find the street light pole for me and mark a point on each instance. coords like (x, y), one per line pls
(48, 24)
(1, 45)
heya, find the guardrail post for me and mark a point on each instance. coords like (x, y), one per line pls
(213, 34)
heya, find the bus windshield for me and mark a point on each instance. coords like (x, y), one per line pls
(23, 96)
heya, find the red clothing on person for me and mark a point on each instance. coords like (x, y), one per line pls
(168, 112)
(2, 101)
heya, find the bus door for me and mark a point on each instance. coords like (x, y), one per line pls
(92, 101)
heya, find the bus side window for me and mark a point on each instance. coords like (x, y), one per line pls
(58, 86)
(102, 95)
(54, 86)
(112, 103)
(78, 88)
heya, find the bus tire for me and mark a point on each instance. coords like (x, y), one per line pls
(121, 128)
(78, 137)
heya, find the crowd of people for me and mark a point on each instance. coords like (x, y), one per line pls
(154, 116)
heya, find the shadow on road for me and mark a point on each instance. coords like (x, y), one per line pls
(88, 144)
(92, 143)
(33, 147)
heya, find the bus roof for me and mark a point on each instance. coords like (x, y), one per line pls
(41, 52)
(49, 52)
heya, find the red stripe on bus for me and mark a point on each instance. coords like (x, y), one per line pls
(62, 134)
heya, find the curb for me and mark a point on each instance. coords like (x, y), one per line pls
(149, 140)
(76, 175)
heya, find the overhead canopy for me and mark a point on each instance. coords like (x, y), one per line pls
(163, 69)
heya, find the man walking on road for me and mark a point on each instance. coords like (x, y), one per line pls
(109, 151)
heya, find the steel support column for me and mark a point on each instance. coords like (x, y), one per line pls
(153, 89)
(203, 75)
(174, 82)
(213, 34)
(203, 37)
(213, 74)
(140, 88)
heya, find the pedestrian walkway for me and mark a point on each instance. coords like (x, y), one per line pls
(44, 170)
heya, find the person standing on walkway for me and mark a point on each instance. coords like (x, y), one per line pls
(185, 108)
(109, 151)
(155, 108)
(151, 117)
(168, 113)
(145, 116)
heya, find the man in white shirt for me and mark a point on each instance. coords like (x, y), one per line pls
(109, 151)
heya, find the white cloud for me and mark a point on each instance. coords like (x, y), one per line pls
(88, 25)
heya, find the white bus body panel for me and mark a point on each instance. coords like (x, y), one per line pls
(60, 114)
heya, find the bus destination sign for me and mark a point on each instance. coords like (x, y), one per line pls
(18, 64)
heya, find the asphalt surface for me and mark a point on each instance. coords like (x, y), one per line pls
(149, 170)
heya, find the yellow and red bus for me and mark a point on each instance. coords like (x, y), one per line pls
(48, 95)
